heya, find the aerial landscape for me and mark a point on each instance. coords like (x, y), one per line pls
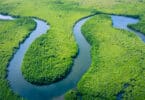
(72, 49)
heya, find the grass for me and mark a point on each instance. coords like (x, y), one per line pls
(47, 51)
(54, 51)
(10, 38)
(118, 58)
(139, 26)
(49, 63)
(58, 40)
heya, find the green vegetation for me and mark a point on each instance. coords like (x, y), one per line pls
(44, 64)
(48, 61)
(118, 60)
(54, 51)
(50, 57)
(10, 38)
(72, 95)
(139, 26)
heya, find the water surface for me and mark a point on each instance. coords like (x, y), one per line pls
(54, 91)
(6, 17)
(121, 22)
(81, 63)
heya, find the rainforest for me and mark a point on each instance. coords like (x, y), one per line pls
(72, 49)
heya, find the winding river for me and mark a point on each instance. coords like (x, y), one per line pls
(121, 22)
(81, 63)
(54, 91)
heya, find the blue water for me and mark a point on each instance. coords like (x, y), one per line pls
(121, 22)
(54, 91)
(81, 63)
(6, 17)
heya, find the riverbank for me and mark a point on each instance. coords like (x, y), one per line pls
(62, 15)
(117, 59)
(10, 39)
(22, 87)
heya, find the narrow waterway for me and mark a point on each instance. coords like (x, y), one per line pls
(54, 91)
(81, 63)
(121, 22)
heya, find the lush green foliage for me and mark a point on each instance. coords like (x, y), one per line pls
(59, 43)
(50, 57)
(139, 26)
(10, 38)
(44, 64)
(118, 60)
(72, 95)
